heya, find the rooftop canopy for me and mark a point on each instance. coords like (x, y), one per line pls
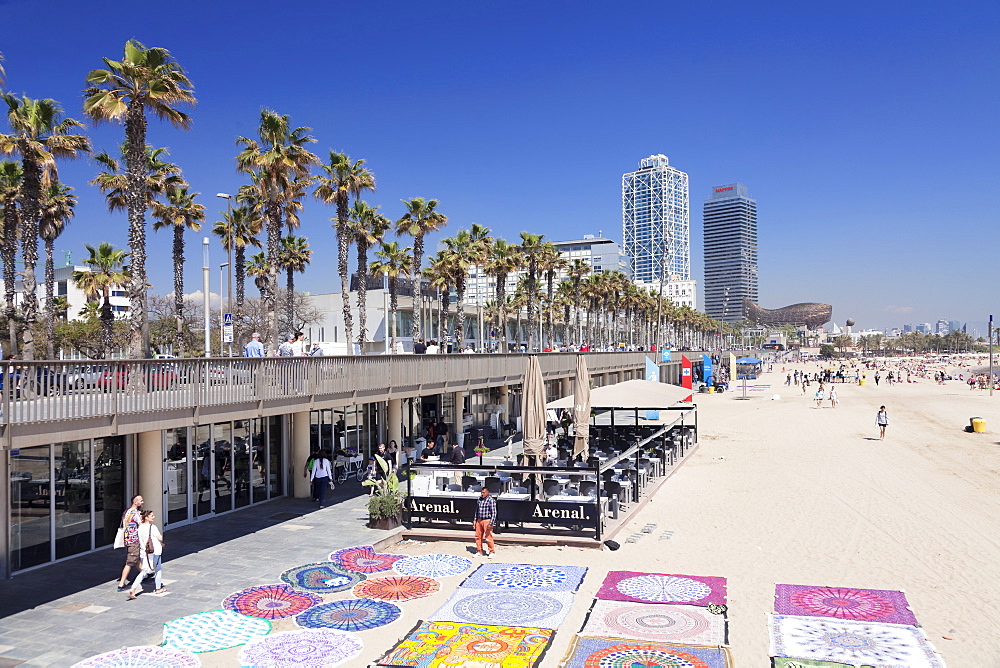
(630, 394)
(748, 360)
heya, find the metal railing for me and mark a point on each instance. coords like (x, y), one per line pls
(39, 392)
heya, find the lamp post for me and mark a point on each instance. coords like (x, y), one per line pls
(206, 302)
(229, 257)
(222, 316)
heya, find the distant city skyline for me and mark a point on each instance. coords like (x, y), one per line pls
(874, 152)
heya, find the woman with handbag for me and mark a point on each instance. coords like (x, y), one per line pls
(151, 556)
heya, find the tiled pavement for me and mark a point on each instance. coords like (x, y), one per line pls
(62, 613)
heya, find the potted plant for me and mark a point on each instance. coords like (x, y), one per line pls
(385, 505)
(480, 450)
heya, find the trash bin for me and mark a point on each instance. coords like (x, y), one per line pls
(978, 425)
(861, 382)
(711, 389)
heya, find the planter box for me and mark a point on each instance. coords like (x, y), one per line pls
(385, 523)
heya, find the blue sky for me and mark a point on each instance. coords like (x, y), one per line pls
(866, 131)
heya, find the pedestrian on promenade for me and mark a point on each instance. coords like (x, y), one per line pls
(307, 469)
(299, 345)
(877, 378)
(151, 556)
(834, 400)
(254, 348)
(420, 348)
(287, 349)
(486, 515)
(457, 458)
(441, 435)
(131, 520)
(882, 420)
(320, 476)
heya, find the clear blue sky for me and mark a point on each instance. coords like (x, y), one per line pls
(867, 132)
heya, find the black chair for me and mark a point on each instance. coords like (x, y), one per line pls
(468, 481)
(475, 488)
(550, 487)
(571, 491)
(613, 490)
(454, 487)
(495, 485)
(588, 488)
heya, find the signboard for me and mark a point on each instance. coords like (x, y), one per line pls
(706, 365)
(665, 355)
(536, 512)
(652, 371)
(227, 327)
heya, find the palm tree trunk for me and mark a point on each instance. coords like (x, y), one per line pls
(8, 250)
(241, 275)
(549, 277)
(270, 294)
(31, 196)
(343, 248)
(179, 287)
(502, 311)
(50, 312)
(393, 290)
(290, 299)
(362, 295)
(443, 321)
(415, 282)
(136, 202)
(460, 313)
(107, 325)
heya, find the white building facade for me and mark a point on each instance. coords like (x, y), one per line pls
(681, 293)
(65, 287)
(656, 221)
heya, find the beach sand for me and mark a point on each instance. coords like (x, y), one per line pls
(780, 491)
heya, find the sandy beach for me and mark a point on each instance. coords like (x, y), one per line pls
(780, 491)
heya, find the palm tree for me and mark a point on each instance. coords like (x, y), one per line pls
(239, 229)
(577, 271)
(106, 272)
(366, 227)
(277, 161)
(465, 249)
(260, 269)
(531, 246)
(293, 257)
(342, 180)
(392, 262)
(146, 79)
(421, 217)
(502, 259)
(439, 274)
(10, 191)
(38, 136)
(160, 176)
(179, 212)
(550, 262)
(58, 206)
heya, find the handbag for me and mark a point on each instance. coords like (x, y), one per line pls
(120, 538)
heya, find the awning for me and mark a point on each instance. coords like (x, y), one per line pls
(630, 394)
(748, 360)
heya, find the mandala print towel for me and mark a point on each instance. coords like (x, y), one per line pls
(784, 662)
(270, 601)
(147, 657)
(396, 588)
(869, 605)
(663, 588)
(349, 614)
(851, 642)
(309, 648)
(322, 577)
(525, 576)
(515, 607)
(433, 565)
(658, 622)
(364, 559)
(453, 644)
(591, 652)
(213, 630)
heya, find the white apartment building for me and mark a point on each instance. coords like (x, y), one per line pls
(681, 293)
(65, 287)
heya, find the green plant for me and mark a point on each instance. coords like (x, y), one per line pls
(387, 501)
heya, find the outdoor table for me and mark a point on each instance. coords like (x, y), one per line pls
(511, 496)
(469, 495)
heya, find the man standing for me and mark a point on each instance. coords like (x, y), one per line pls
(287, 348)
(420, 348)
(457, 458)
(130, 522)
(486, 515)
(441, 435)
(255, 348)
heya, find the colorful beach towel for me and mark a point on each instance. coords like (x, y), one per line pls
(591, 652)
(526, 576)
(147, 657)
(213, 630)
(275, 601)
(396, 588)
(432, 644)
(687, 624)
(433, 565)
(784, 662)
(851, 642)
(349, 614)
(307, 648)
(507, 607)
(871, 605)
(663, 588)
(322, 577)
(364, 559)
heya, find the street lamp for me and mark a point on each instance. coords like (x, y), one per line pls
(222, 316)
(229, 252)
(206, 286)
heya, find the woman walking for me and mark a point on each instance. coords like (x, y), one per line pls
(882, 420)
(320, 476)
(819, 397)
(150, 556)
(834, 400)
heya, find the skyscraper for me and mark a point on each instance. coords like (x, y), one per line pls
(656, 222)
(730, 218)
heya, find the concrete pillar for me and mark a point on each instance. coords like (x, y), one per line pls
(300, 453)
(394, 419)
(504, 393)
(565, 387)
(459, 402)
(149, 452)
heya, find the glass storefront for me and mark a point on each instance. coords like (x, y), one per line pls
(65, 499)
(212, 469)
(352, 429)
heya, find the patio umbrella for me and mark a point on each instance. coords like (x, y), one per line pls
(533, 409)
(581, 408)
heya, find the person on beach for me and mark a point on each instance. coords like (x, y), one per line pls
(834, 400)
(819, 397)
(151, 556)
(131, 520)
(882, 420)
(486, 515)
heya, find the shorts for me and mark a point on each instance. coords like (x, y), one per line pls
(132, 558)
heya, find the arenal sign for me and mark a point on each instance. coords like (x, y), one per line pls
(508, 510)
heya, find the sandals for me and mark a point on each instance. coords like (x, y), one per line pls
(161, 590)
(132, 596)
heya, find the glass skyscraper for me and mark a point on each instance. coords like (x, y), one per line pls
(730, 219)
(656, 221)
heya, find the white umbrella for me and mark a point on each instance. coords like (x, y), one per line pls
(533, 409)
(581, 408)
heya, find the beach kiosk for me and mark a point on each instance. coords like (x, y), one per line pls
(747, 368)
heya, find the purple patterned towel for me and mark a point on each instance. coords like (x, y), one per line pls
(663, 588)
(867, 605)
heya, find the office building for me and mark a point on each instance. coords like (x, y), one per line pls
(730, 221)
(656, 221)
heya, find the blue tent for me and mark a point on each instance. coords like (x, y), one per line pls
(748, 360)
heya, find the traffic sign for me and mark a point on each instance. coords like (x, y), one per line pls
(227, 327)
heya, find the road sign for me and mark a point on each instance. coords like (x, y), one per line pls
(227, 327)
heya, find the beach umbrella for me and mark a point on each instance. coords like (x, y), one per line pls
(533, 409)
(581, 407)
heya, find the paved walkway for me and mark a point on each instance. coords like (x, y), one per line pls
(62, 613)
